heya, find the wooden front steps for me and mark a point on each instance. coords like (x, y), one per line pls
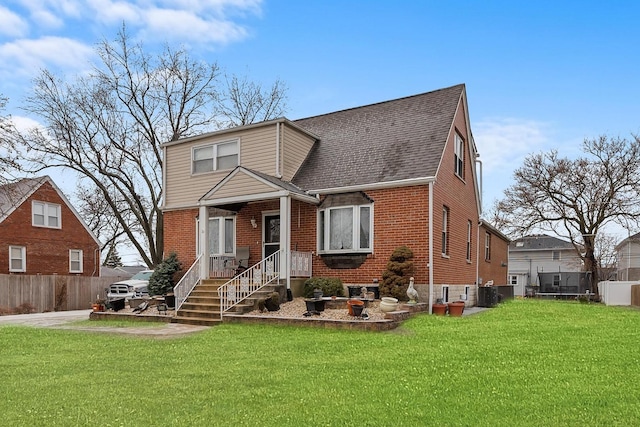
(202, 306)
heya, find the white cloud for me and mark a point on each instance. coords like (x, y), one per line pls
(501, 142)
(12, 24)
(27, 57)
(188, 26)
(115, 12)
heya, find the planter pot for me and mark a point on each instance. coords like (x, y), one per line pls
(314, 304)
(387, 306)
(317, 294)
(389, 300)
(439, 309)
(117, 304)
(357, 310)
(170, 300)
(353, 302)
(456, 308)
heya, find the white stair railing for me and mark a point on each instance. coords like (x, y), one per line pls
(187, 283)
(249, 281)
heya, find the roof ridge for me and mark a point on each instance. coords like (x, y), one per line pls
(461, 85)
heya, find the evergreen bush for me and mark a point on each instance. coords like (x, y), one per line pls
(329, 286)
(162, 280)
(395, 279)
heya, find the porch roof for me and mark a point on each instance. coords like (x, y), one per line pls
(246, 185)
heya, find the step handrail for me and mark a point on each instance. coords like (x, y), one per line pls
(186, 284)
(249, 282)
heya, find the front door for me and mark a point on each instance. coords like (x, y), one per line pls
(271, 234)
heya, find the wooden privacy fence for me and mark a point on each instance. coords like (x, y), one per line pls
(52, 293)
(635, 295)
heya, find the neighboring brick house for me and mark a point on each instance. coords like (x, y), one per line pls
(41, 233)
(336, 192)
(551, 264)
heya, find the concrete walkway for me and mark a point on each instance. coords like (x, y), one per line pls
(64, 320)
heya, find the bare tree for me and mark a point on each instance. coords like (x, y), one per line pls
(576, 198)
(605, 255)
(8, 159)
(109, 125)
(246, 102)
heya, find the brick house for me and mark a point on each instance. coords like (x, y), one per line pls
(334, 195)
(41, 232)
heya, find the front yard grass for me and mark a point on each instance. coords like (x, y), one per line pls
(524, 363)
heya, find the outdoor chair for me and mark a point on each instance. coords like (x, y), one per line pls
(241, 261)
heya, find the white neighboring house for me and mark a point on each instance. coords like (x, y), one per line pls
(530, 256)
(628, 258)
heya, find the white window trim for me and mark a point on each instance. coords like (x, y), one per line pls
(46, 206)
(23, 257)
(459, 155)
(513, 279)
(445, 291)
(222, 236)
(487, 246)
(445, 231)
(556, 256)
(214, 159)
(355, 224)
(80, 261)
(469, 231)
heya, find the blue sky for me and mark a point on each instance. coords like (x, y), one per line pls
(539, 75)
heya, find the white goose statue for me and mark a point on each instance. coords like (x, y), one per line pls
(412, 293)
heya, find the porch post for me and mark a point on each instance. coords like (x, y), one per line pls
(285, 238)
(203, 237)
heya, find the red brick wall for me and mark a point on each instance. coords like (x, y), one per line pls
(180, 235)
(47, 248)
(492, 269)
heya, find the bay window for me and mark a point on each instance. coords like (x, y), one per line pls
(345, 229)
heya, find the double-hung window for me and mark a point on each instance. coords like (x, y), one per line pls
(17, 259)
(487, 247)
(75, 260)
(445, 231)
(469, 229)
(46, 215)
(213, 157)
(459, 156)
(345, 229)
(222, 235)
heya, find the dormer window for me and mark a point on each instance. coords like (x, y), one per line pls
(46, 215)
(214, 157)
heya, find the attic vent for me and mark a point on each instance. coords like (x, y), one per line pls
(519, 244)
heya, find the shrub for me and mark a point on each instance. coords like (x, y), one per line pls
(329, 286)
(162, 280)
(395, 279)
(24, 308)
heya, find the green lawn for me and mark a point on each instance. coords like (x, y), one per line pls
(534, 363)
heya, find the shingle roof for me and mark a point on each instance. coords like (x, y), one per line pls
(539, 242)
(389, 141)
(13, 194)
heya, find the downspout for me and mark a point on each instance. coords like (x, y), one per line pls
(430, 247)
(478, 258)
(278, 174)
(479, 162)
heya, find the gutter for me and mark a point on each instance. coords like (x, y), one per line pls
(375, 185)
(431, 247)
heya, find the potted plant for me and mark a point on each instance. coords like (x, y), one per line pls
(439, 308)
(98, 304)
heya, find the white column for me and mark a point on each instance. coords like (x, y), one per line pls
(203, 237)
(285, 238)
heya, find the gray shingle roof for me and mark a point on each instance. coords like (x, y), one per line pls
(539, 242)
(13, 194)
(389, 141)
